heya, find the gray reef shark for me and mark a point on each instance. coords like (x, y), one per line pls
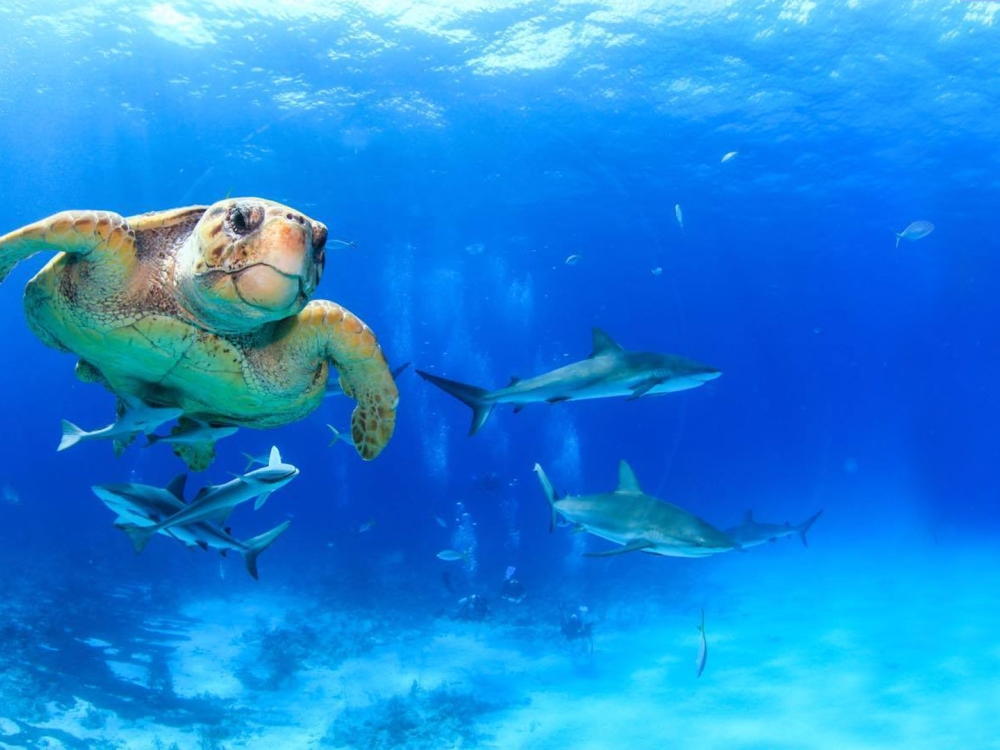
(145, 505)
(630, 517)
(750, 533)
(609, 371)
(215, 503)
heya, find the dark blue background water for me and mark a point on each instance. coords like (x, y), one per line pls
(858, 378)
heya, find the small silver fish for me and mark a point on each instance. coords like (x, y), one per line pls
(450, 555)
(10, 495)
(337, 436)
(572, 260)
(441, 522)
(367, 526)
(657, 271)
(680, 216)
(703, 648)
(915, 231)
(727, 156)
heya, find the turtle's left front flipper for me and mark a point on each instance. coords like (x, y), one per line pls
(348, 344)
(90, 234)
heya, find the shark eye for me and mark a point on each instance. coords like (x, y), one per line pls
(244, 219)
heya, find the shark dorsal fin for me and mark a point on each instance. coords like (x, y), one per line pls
(626, 479)
(275, 456)
(748, 518)
(604, 344)
(176, 486)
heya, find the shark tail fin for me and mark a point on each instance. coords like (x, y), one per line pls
(140, 535)
(550, 495)
(260, 543)
(71, 435)
(898, 238)
(474, 398)
(250, 462)
(804, 527)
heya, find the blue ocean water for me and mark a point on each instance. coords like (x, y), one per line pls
(508, 172)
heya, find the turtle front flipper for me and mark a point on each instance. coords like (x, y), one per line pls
(341, 338)
(80, 233)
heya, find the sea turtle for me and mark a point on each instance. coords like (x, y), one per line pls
(205, 308)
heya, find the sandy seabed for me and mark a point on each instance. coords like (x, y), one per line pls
(892, 648)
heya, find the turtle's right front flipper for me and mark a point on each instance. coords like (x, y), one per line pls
(81, 233)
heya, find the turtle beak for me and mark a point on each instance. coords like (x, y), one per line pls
(319, 245)
(319, 236)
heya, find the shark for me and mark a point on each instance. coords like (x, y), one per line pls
(215, 503)
(137, 417)
(146, 505)
(750, 533)
(608, 372)
(635, 520)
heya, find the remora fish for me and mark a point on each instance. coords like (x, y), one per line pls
(138, 417)
(144, 505)
(609, 371)
(216, 503)
(702, 648)
(915, 231)
(630, 517)
(333, 384)
(750, 533)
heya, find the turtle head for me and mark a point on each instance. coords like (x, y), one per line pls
(247, 262)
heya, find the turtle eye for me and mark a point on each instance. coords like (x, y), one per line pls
(244, 219)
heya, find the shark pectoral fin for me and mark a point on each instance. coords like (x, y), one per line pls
(556, 399)
(550, 495)
(261, 499)
(140, 535)
(643, 388)
(220, 517)
(634, 546)
(203, 545)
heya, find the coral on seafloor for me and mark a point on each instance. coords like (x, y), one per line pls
(419, 719)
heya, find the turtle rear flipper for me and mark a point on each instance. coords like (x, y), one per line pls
(197, 456)
(84, 234)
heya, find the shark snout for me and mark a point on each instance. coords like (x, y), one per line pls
(708, 374)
